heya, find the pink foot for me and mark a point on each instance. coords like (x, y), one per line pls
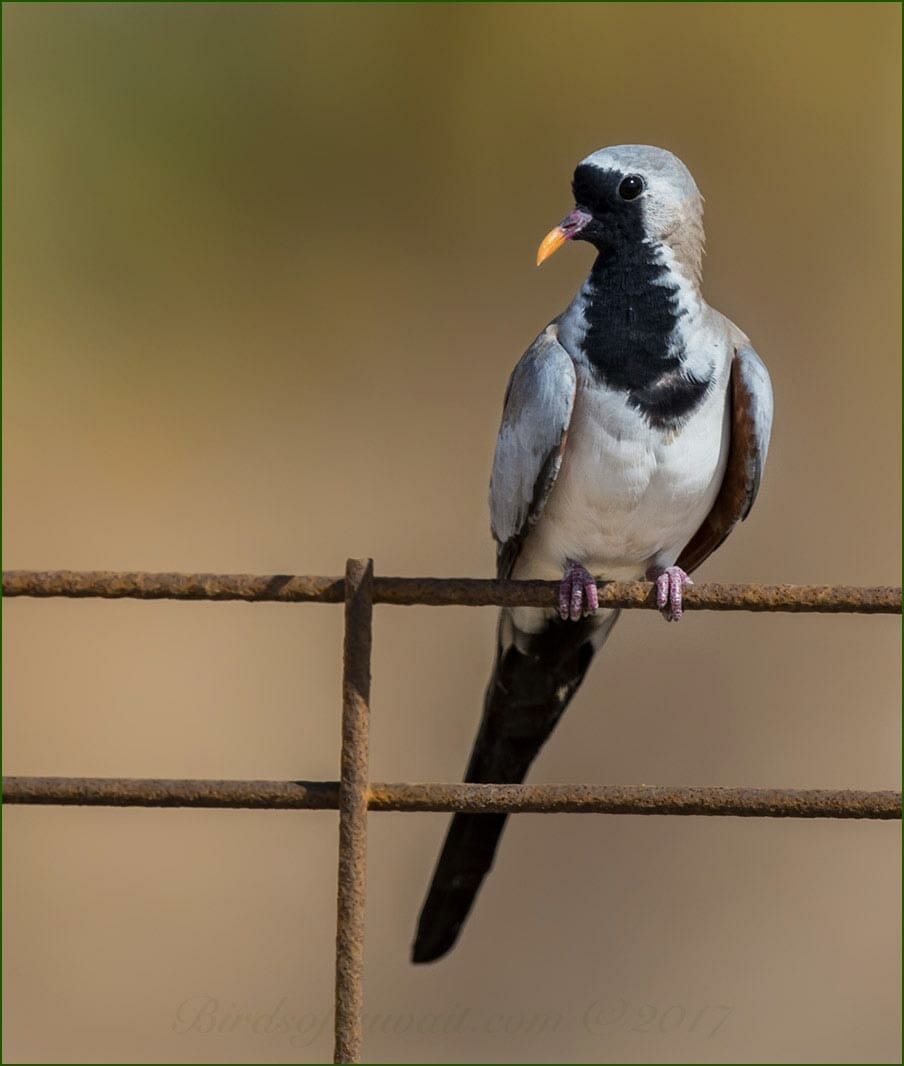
(577, 593)
(670, 586)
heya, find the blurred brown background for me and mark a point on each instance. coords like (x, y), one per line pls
(267, 269)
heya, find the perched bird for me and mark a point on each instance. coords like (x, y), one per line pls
(633, 438)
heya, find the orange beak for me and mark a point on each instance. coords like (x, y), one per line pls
(568, 228)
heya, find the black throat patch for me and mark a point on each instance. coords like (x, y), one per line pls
(632, 312)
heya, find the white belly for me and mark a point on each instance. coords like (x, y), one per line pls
(628, 496)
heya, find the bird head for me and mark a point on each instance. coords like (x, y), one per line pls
(630, 194)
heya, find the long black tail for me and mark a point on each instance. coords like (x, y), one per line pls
(533, 680)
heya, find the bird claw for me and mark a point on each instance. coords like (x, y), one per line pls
(577, 593)
(670, 586)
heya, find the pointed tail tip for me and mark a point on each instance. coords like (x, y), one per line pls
(421, 954)
(430, 945)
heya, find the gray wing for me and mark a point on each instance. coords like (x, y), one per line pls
(750, 395)
(538, 405)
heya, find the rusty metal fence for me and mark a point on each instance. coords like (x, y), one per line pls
(353, 795)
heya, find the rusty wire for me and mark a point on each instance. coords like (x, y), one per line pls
(440, 592)
(480, 799)
(353, 796)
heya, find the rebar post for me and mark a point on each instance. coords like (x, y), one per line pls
(353, 799)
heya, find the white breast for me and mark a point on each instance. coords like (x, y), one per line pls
(628, 495)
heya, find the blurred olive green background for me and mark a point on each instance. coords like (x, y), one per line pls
(266, 271)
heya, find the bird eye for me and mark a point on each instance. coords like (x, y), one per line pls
(631, 187)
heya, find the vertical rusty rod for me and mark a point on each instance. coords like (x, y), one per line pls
(353, 799)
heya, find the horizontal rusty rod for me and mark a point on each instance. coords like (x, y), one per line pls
(115, 585)
(441, 592)
(509, 799)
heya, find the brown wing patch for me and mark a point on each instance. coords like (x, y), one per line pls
(739, 483)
